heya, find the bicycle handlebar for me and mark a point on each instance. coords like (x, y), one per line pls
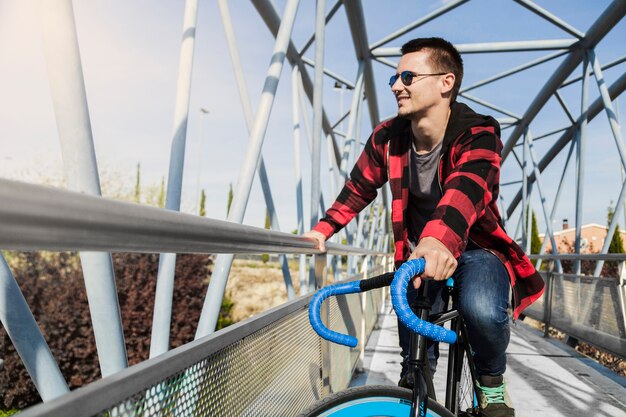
(400, 304)
(399, 285)
(316, 304)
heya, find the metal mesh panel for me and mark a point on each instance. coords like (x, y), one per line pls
(345, 317)
(346, 313)
(273, 372)
(591, 302)
(587, 308)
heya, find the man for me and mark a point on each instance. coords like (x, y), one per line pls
(442, 161)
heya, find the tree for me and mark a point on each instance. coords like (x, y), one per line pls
(202, 202)
(138, 185)
(617, 245)
(535, 240)
(230, 198)
(162, 193)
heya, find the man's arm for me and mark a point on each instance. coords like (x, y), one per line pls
(367, 176)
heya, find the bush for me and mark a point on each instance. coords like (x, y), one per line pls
(54, 289)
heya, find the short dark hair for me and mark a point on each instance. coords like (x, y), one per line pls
(443, 56)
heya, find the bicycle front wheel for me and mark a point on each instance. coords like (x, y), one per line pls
(371, 401)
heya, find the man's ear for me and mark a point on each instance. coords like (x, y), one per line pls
(447, 83)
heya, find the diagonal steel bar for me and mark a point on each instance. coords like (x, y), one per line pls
(270, 16)
(604, 68)
(249, 117)
(594, 109)
(557, 198)
(515, 70)
(329, 16)
(550, 18)
(603, 25)
(490, 106)
(71, 112)
(429, 17)
(356, 21)
(215, 292)
(162, 314)
(542, 199)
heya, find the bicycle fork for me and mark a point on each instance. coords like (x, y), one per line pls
(418, 359)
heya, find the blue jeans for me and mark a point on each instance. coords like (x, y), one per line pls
(482, 297)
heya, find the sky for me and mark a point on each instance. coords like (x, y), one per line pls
(130, 57)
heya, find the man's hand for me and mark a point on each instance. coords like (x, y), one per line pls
(318, 237)
(440, 264)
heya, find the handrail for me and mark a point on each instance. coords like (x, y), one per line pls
(582, 257)
(35, 217)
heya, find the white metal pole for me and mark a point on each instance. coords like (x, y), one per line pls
(215, 293)
(67, 86)
(167, 261)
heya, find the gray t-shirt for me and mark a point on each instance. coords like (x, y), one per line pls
(424, 191)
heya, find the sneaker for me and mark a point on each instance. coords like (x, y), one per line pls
(406, 381)
(493, 400)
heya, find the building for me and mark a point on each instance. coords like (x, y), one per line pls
(592, 238)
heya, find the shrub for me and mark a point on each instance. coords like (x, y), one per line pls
(54, 289)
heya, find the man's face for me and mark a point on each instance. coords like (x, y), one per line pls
(423, 92)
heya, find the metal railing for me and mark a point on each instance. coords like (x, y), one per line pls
(281, 362)
(587, 308)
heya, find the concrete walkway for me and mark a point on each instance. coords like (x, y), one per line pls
(544, 377)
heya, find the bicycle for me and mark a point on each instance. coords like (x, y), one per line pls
(379, 400)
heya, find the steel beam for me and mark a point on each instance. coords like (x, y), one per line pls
(603, 25)
(67, 86)
(162, 315)
(596, 107)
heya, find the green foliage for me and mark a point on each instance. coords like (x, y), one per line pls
(202, 203)
(535, 240)
(162, 193)
(6, 413)
(265, 257)
(138, 185)
(230, 198)
(225, 319)
(616, 245)
(53, 286)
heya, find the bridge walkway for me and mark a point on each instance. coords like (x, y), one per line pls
(545, 377)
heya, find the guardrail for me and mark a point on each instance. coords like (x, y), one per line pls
(271, 365)
(587, 308)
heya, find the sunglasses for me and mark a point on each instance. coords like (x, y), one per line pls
(407, 77)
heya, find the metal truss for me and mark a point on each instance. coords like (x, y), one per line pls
(311, 72)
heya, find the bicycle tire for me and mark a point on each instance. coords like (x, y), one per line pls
(371, 401)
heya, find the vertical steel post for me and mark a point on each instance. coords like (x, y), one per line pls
(247, 109)
(549, 233)
(162, 315)
(295, 90)
(318, 91)
(215, 293)
(557, 197)
(20, 325)
(350, 144)
(619, 142)
(67, 88)
(580, 159)
(525, 199)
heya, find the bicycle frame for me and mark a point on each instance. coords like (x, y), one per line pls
(418, 362)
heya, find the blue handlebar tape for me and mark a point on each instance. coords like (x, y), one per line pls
(316, 304)
(400, 304)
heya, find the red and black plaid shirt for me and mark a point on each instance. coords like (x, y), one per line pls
(469, 173)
